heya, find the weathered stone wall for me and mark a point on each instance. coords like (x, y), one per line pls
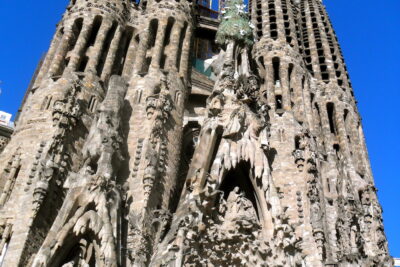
(117, 160)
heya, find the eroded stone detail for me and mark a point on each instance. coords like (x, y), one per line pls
(119, 159)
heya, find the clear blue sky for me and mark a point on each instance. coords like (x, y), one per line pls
(369, 35)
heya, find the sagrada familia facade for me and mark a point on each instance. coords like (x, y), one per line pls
(163, 133)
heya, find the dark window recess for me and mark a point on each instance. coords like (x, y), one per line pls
(83, 64)
(278, 102)
(95, 30)
(276, 66)
(330, 107)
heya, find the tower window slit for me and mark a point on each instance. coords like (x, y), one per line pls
(330, 107)
(278, 102)
(153, 33)
(276, 67)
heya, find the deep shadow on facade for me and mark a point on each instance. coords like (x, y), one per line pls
(144, 142)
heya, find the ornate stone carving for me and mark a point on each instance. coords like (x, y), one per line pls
(93, 200)
(158, 108)
(55, 161)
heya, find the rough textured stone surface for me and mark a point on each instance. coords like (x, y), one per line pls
(5, 134)
(124, 156)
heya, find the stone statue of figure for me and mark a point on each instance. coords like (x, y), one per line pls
(233, 201)
(240, 210)
(354, 238)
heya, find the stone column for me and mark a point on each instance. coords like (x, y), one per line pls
(141, 52)
(279, 20)
(176, 34)
(187, 43)
(341, 131)
(312, 44)
(95, 52)
(308, 107)
(158, 49)
(284, 77)
(325, 45)
(112, 55)
(269, 83)
(80, 46)
(265, 18)
(130, 57)
(61, 53)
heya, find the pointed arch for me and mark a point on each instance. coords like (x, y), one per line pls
(83, 230)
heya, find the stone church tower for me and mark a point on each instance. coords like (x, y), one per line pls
(150, 138)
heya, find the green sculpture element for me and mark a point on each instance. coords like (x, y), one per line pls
(235, 25)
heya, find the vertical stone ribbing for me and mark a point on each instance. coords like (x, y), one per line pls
(112, 55)
(95, 52)
(61, 53)
(78, 52)
(131, 54)
(141, 52)
(176, 33)
(185, 57)
(290, 140)
(158, 48)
